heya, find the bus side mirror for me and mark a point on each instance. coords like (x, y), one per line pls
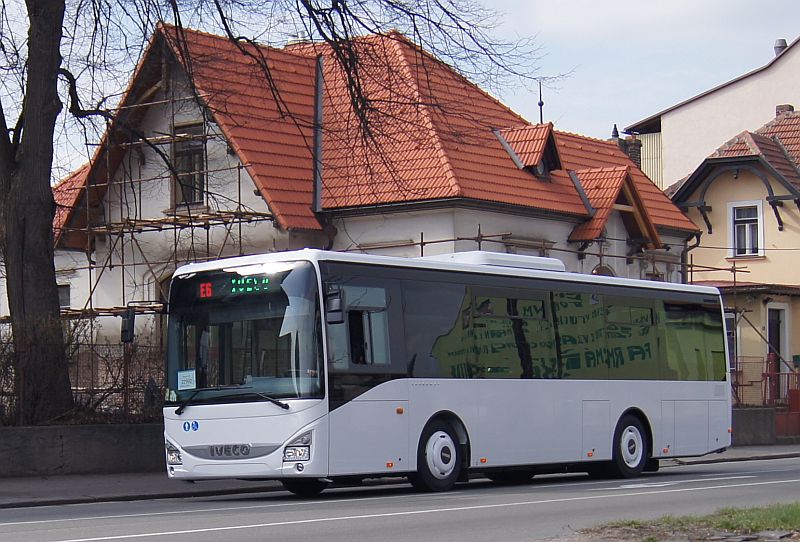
(333, 308)
(126, 329)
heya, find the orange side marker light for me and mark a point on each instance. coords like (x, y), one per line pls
(484, 460)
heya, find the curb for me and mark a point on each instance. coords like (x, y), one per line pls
(711, 460)
(139, 497)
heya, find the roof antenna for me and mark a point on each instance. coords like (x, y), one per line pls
(541, 104)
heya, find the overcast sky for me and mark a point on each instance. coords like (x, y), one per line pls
(632, 59)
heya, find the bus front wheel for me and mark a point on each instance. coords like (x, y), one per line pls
(304, 487)
(438, 458)
(629, 455)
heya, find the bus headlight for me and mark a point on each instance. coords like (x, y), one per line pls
(173, 454)
(298, 449)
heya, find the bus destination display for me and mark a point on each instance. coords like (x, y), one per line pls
(225, 286)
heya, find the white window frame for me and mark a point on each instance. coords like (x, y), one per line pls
(732, 206)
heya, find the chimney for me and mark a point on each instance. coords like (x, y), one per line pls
(780, 46)
(631, 145)
(633, 148)
(783, 109)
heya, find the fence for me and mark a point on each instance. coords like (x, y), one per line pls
(757, 381)
(110, 382)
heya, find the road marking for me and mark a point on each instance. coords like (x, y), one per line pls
(667, 483)
(421, 512)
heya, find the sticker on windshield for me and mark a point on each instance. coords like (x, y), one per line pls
(187, 380)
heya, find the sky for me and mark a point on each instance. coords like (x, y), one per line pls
(629, 60)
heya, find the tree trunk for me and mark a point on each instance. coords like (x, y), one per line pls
(42, 378)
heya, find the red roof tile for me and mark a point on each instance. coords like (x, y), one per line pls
(777, 142)
(605, 187)
(579, 152)
(529, 142)
(431, 132)
(433, 137)
(602, 186)
(66, 194)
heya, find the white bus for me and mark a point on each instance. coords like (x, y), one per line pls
(311, 367)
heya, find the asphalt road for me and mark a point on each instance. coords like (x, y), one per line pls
(482, 511)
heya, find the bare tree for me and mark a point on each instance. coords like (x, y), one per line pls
(55, 52)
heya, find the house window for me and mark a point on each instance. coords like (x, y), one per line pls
(63, 296)
(746, 234)
(189, 161)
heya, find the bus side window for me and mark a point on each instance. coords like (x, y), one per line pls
(358, 345)
(369, 337)
(363, 337)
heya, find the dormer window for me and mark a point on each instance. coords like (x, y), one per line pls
(541, 170)
(531, 148)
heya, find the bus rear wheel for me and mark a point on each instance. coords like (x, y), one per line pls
(629, 455)
(438, 458)
(304, 487)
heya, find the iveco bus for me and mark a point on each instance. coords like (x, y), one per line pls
(313, 366)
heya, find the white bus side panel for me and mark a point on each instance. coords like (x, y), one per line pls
(370, 434)
(541, 422)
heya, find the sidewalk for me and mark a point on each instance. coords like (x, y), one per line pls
(72, 489)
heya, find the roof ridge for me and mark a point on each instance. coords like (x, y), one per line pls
(581, 136)
(728, 144)
(604, 168)
(167, 27)
(776, 120)
(750, 141)
(444, 158)
(777, 139)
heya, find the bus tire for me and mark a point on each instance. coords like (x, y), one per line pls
(438, 458)
(302, 487)
(630, 452)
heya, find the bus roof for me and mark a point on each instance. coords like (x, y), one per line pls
(481, 262)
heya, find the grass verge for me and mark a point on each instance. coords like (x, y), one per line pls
(778, 517)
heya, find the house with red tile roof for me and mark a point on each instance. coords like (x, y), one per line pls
(746, 198)
(223, 148)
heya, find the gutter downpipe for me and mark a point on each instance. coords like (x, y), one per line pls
(685, 256)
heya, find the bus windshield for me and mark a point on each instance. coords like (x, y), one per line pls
(245, 334)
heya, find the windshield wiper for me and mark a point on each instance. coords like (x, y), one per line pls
(284, 406)
(185, 402)
(188, 400)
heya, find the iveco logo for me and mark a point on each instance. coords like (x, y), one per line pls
(229, 450)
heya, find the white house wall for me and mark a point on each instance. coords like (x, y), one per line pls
(399, 234)
(72, 269)
(693, 131)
